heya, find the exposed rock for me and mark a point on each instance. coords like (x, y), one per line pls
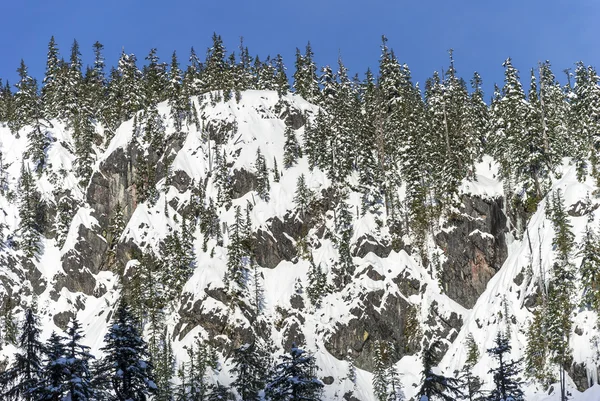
(181, 180)
(368, 243)
(474, 245)
(328, 380)
(242, 182)
(372, 322)
(62, 319)
(582, 208)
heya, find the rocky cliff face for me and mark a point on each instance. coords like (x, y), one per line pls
(392, 297)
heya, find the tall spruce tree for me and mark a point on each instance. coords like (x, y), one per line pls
(294, 378)
(436, 386)
(126, 366)
(24, 378)
(507, 385)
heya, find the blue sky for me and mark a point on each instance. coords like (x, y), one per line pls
(481, 32)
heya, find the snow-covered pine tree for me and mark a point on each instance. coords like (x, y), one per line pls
(78, 376)
(435, 386)
(126, 366)
(50, 89)
(291, 149)
(317, 283)
(249, 372)
(303, 196)
(31, 214)
(306, 83)
(24, 377)
(53, 385)
(26, 102)
(237, 270)
(262, 176)
(507, 384)
(589, 269)
(294, 378)
(380, 379)
(472, 383)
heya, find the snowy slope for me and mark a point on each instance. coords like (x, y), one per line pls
(260, 126)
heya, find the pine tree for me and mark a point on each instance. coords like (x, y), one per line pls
(317, 283)
(31, 214)
(436, 386)
(237, 271)
(380, 379)
(53, 385)
(77, 360)
(125, 365)
(249, 372)
(294, 378)
(50, 89)
(262, 176)
(291, 148)
(305, 78)
(24, 377)
(472, 382)
(507, 385)
(303, 196)
(589, 269)
(26, 101)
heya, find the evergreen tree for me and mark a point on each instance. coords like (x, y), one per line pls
(125, 365)
(303, 196)
(436, 386)
(507, 385)
(306, 83)
(589, 269)
(294, 378)
(237, 271)
(24, 377)
(291, 149)
(53, 386)
(77, 363)
(472, 382)
(317, 283)
(249, 372)
(50, 89)
(26, 101)
(380, 379)
(262, 175)
(31, 214)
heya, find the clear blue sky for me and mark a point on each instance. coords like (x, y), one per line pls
(483, 33)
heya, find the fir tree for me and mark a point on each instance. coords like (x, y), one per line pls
(237, 271)
(262, 176)
(55, 370)
(505, 375)
(125, 365)
(317, 283)
(294, 378)
(77, 360)
(249, 372)
(472, 382)
(291, 148)
(31, 214)
(589, 269)
(24, 377)
(303, 196)
(436, 386)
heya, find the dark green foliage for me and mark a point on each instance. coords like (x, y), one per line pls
(291, 148)
(249, 371)
(236, 277)
(317, 283)
(23, 378)
(262, 176)
(294, 378)
(436, 386)
(126, 368)
(472, 383)
(31, 212)
(303, 196)
(505, 375)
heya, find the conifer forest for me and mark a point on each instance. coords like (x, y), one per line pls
(228, 226)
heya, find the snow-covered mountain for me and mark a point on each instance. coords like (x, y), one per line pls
(479, 274)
